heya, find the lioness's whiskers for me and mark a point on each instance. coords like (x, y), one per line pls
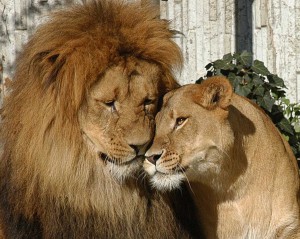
(183, 172)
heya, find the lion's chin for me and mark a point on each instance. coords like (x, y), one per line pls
(105, 158)
(123, 172)
(167, 182)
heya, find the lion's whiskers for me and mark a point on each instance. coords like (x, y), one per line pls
(142, 176)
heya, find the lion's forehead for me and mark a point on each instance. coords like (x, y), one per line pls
(119, 82)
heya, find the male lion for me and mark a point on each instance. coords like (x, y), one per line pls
(242, 172)
(77, 121)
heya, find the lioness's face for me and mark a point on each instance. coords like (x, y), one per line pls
(189, 138)
(117, 120)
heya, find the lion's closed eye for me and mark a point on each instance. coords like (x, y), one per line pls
(149, 101)
(111, 104)
(149, 104)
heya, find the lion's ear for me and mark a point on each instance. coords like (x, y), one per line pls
(169, 82)
(216, 91)
(49, 65)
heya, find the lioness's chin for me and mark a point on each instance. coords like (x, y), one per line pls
(166, 182)
(122, 172)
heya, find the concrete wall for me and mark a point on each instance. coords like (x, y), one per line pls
(211, 28)
(18, 20)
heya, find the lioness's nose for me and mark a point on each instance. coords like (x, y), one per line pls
(153, 158)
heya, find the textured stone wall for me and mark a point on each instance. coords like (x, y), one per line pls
(210, 29)
(18, 19)
(276, 39)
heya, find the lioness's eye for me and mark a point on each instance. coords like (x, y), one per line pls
(111, 104)
(180, 121)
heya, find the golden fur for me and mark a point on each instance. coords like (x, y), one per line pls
(77, 121)
(242, 172)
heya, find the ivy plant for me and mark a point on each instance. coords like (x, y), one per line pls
(253, 80)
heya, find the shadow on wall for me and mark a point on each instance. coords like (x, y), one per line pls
(244, 25)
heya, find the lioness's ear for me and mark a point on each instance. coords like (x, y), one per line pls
(216, 91)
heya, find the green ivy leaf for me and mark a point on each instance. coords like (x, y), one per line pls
(228, 66)
(285, 101)
(238, 80)
(246, 58)
(276, 81)
(240, 68)
(285, 125)
(247, 78)
(231, 78)
(219, 64)
(242, 90)
(248, 81)
(266, 102)
(228, 58)
(259, 90)
(287, 138)
(257, 80)
(236, 55)
(259, 68)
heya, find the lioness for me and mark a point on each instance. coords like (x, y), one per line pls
(242, 172)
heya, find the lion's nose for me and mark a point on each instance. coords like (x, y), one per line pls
(153, 158)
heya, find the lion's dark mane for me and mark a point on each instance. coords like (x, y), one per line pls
(47, 182)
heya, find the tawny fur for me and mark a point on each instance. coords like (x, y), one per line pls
(242, 172)
(52, 182)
